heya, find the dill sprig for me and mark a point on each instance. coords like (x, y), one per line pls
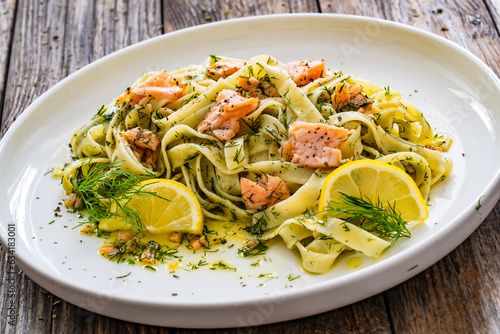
(259, 248)
(102, 186)
(386, 222)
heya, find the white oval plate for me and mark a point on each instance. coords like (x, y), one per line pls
(458, 94)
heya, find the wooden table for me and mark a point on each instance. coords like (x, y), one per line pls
(44, 41)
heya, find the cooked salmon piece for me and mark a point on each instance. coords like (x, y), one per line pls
(142, 138)
(223, 119)
(222, 69)
(132, 245)
(351, 98)
(123, 237)
(314, 145)
(176, 237)
(160, 86)
(73, 201)
(86, 229)
(435, 148)
(149, 252)
(265, 192)
(148, 256)
(108, 250)
(257, 89)
(251, 243)
(199, 242)
(144, 145)
(150, 157)
(304, 72)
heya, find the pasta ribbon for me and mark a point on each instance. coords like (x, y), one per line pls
(321, 242)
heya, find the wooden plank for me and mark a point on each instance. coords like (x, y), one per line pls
(102, 27)
(371, 8)
(364, 317)
(368, 316)
(35, 306)
(8, 277)
(467, 23)
(35, 56)
(494, 9)
(7, 11)
(177, 14)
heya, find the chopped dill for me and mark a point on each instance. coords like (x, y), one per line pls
(48, 172)
(479, 205)
(194, 266)
(258, 228)
(221, 265)
(256, 249)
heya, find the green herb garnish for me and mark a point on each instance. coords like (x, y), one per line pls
(385, 222)
(258, 227)
(221, 265)
(101, 185)
(258, 248)
(194, 266)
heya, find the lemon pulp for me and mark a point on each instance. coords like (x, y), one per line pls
(163, 206)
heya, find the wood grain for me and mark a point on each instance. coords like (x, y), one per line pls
(494, 10)
(52, 39)
(35, 56)
(371, 8)
(7, 11)
(467, 23)
(206, 11)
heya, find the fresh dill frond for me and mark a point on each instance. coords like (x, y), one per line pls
(385, 222)
(101, 185)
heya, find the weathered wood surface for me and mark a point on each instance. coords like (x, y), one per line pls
(44, 41)
(7, 12)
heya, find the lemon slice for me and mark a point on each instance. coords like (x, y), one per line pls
(376, 181)
(163, 206)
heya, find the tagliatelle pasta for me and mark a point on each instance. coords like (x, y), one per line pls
(227, 128)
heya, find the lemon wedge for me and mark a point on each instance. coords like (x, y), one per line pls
(376, 181)
(163, 206)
